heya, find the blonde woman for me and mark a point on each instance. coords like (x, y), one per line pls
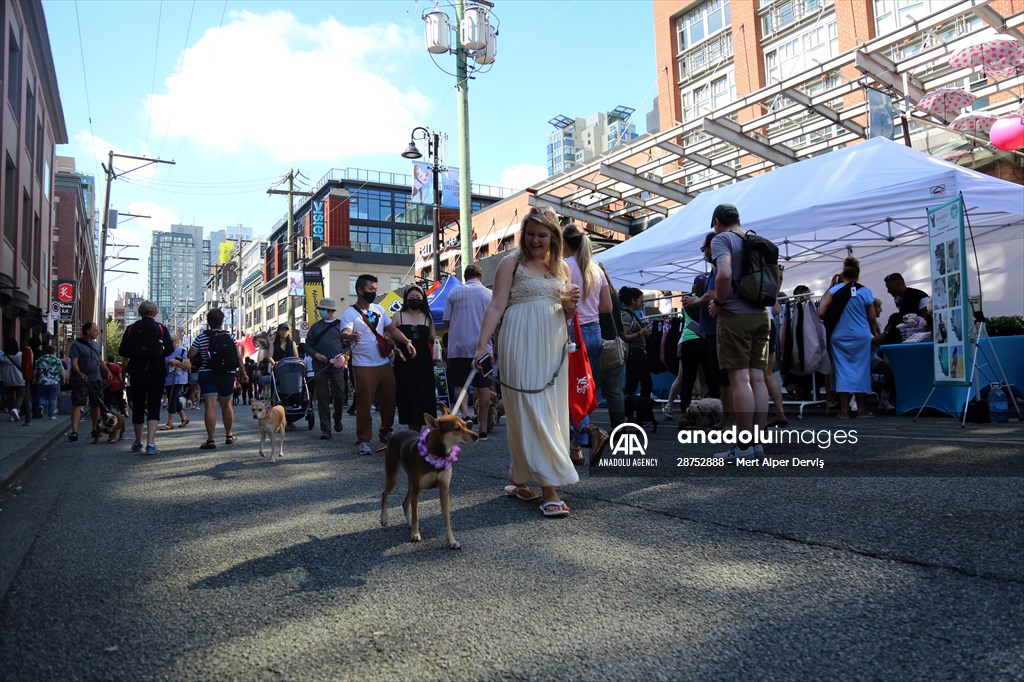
(533, 297)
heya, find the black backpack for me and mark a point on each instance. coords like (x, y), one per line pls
(760, 278)
(221, 353)
(143, 342)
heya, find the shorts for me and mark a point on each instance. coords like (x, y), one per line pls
(193, 378)
(86, 393)
(458, 372)
(743, 340)
(216, 384)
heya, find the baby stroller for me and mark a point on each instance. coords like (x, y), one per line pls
(288, 389)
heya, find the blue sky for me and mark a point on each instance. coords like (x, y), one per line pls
(238, 92)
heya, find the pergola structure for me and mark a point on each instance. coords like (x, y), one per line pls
(821, 109)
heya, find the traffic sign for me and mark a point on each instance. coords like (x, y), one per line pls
(55, 307)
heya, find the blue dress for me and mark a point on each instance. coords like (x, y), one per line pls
(851, 343)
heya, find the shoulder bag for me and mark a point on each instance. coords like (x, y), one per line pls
(384, 346)
(613, 351)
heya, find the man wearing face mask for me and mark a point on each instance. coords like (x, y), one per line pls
(323, 343)
(361, 325)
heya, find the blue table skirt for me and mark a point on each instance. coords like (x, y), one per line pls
(913, 371)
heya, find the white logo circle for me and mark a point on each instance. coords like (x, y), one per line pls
(629, 439)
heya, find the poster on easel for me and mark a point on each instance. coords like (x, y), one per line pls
(950, 303)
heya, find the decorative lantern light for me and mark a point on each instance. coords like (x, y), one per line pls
(474, 28)
(489, 52)
(1007, 133)
(436, 32)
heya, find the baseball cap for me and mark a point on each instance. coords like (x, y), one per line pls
(327, 304)
(725, 213)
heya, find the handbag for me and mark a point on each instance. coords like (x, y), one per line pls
(582, 390)
(613, 352)
(384, 346)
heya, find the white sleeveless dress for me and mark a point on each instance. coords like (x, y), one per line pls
(531, 346)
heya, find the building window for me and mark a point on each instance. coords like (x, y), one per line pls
(702, 23)
(26, 228)
(396, 282)
(30, 115)
(270, 312)
(779, 15)
(352, 285)
(37, 233)
(14, 75)
(11, 206)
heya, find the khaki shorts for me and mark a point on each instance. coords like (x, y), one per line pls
(743, 340)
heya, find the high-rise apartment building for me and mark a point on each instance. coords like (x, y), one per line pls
(230, 233)
(578, 140)
(179, 261)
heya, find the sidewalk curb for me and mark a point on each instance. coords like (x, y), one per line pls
(24, 458)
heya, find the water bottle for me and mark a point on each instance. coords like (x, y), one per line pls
(997, 406)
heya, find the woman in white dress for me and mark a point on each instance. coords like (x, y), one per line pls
(532, 299)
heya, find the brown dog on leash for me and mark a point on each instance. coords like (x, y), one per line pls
(112, 424)
(272, 423)
(427, 459)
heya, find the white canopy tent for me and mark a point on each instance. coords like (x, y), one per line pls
(870, 199)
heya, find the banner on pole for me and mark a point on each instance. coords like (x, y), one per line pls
(295, 283)
(951, 317)
(314, 290)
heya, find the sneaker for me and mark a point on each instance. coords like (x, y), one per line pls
(886, 406)
(365, 449)
(667, 409)
(326, 435)
(482, 435)
(151, 450)
(53, 417)
(735, 451)
(15, 415)
(338, 426)
(137, 447)
(758, 451)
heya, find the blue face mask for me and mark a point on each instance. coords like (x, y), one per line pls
(324, 314)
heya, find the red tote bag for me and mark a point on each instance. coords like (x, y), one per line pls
(582, 391)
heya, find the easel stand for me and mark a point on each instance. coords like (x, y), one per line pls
(982, 333)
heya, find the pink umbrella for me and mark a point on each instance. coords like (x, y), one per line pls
(1001, 56)
(973, 122)
(944, 101)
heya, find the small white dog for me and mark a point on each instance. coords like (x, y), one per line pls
(272, 424)
(703, 412)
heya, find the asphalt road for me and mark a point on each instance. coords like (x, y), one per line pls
(199, 565)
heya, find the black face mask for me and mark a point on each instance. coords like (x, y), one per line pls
(414, 303)
(369, 296)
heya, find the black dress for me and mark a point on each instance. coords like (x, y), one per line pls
(414, 379)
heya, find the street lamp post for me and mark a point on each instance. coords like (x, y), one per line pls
(475, 39)
(433, 149)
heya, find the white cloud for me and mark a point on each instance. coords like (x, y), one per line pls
(521, 176)
(91, 145)
(301, 92)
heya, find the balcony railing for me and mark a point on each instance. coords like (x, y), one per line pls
(705, 56)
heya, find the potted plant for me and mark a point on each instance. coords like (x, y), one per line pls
(1006, 325)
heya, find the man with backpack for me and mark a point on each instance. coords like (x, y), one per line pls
(218, 358)
(748, 280)
(146, 343)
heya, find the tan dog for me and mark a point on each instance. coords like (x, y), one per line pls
(404, 448)
(272, 424)
(111, 423)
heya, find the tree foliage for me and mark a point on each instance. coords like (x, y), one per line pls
(115, 332)
(227, 249)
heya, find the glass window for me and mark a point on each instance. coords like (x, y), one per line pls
(352, 284)
(396, 282)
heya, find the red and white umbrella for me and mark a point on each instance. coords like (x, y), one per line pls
(945, 101)
(1001, 56)
(973, 122)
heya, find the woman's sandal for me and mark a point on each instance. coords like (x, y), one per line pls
(524, 492)
(209, 445)
(167, 427)
(554, 508)
(184, 423)
(73, 436)
(229, 439)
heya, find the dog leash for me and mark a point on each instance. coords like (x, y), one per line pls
(465, 390)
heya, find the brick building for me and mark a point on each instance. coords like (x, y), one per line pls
(74, 255)
(32, 126)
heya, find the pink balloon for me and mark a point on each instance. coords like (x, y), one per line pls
(1007, 133)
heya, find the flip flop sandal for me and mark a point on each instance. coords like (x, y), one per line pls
(184, 423)
(73, 436)
(554, 509)
(525, 494)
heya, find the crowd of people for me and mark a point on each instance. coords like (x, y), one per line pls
(719, 346)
